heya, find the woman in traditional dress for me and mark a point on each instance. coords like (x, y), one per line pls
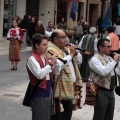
(39, 68)
(15, 36)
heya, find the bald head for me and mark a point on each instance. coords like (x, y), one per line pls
(56, 33)
(58, 37)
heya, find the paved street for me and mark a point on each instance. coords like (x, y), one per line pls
(13, 85)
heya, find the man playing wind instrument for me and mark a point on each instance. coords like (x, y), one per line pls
(67, 85)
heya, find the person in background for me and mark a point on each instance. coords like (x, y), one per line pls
(89, 44)
(31, 29)
(25, 23)
(86, 28)
(117, 70)
(118, 21)
(98, 25)
(20, 23)
(29, 21)
(114, 39)
(29, 18)
(16, 18)
(39, 28)
(62, 24)
(69, 80)
(50, 29)
(102, 72)
(70, 35)
(82, 19)
(78, 31)
(15, 36)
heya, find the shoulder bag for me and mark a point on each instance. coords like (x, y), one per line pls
(29, 93)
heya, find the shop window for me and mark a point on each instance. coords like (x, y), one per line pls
(9, 6)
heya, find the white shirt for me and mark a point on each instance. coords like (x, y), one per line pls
(48, 34)
(39, 72)
(95, 44)
(96, 65)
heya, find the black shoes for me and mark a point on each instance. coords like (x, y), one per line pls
(14, 68)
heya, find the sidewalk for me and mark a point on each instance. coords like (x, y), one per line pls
(4, 44)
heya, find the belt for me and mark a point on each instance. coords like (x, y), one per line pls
(87, 52)
(101, 88)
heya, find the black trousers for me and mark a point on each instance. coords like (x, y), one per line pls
(66, 114)
(85, 73)
(105, 103)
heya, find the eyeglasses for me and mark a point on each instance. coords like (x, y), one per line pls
(64, 37)
(107, 46)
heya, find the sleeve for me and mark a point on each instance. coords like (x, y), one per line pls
(35, 68)
(48, 34)
(78, 58)
(117, 69)
(21, 34)
(96, 65)
(95, 46)
(8, 35)
(57, 67)
(80, 43)
(60, 65)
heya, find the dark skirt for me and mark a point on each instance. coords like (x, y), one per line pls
(41, 108)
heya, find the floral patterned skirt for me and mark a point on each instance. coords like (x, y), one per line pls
(14, 50)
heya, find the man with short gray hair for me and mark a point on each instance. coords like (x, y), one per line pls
(78, 31)
(89, 44)
(49, 29)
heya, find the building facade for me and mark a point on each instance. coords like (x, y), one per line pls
(49, 10)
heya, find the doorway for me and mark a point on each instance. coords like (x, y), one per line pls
(32, 8)
(80, 10)
(61, 10)
(93, 14)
